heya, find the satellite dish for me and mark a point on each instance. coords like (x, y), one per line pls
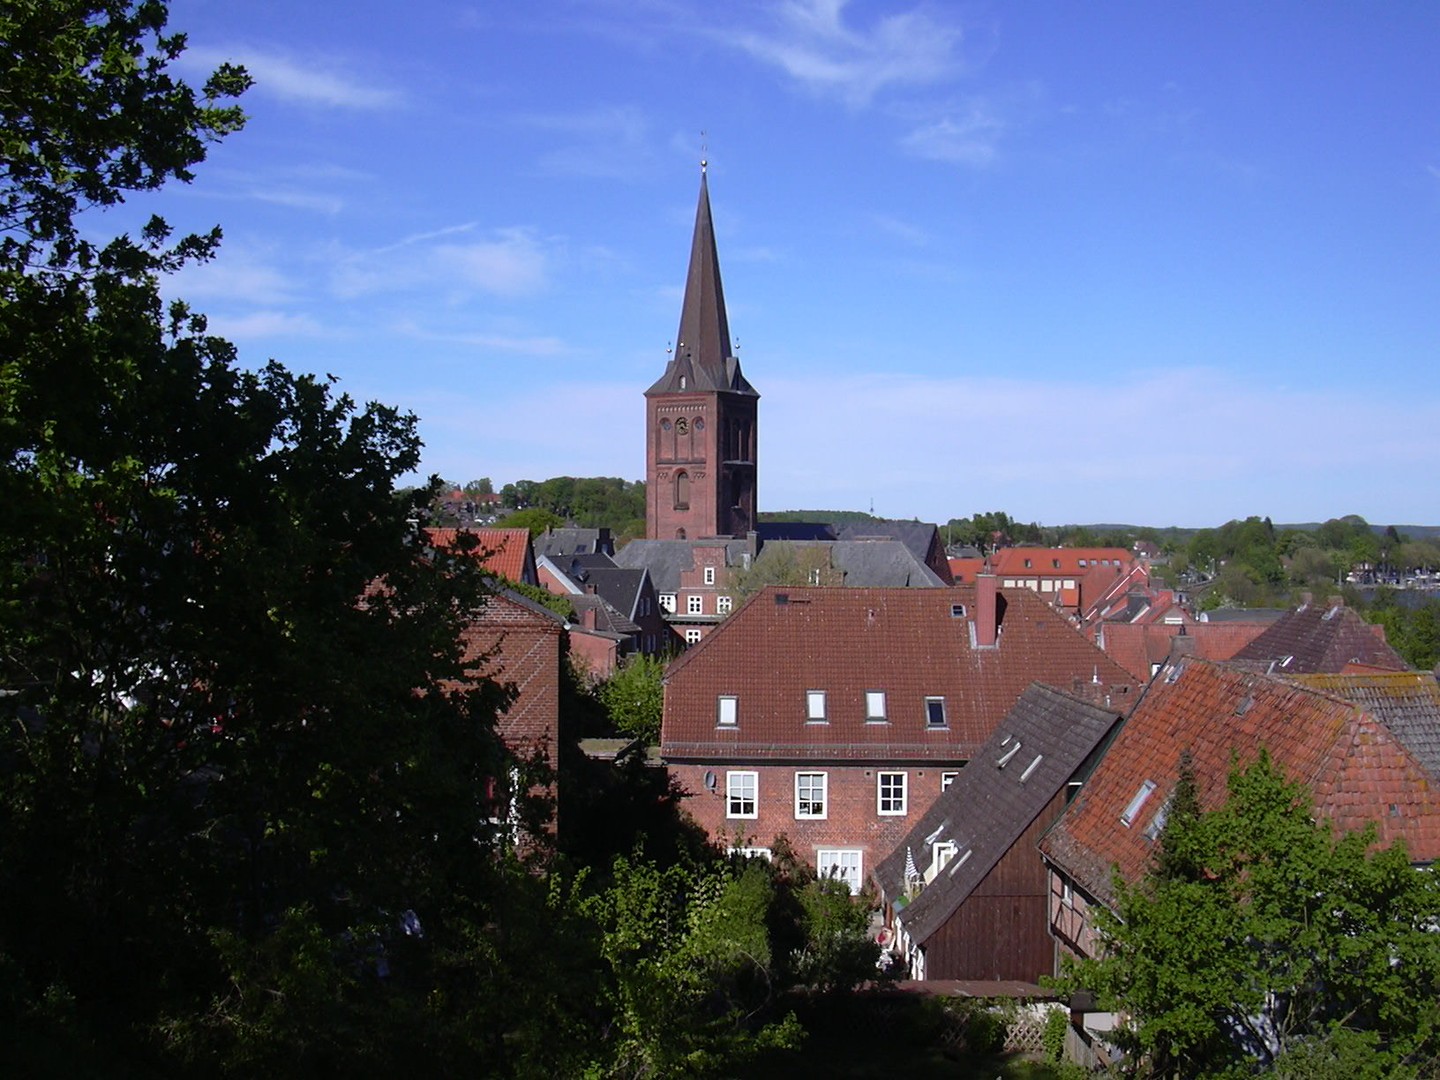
(709, 780)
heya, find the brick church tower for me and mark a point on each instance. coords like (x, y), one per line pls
(700, 436)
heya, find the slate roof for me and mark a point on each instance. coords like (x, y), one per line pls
(1318, 638)
(794, 530)
(608, 620)
(989, 805)
(920, 537)
(1406, 702)
(910, 643)
(561, 544)
(704, 355)
(1357, 770)
(666, 560)
(882, 564)
(506, 552)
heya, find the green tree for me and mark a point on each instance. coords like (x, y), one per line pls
(536, 519)
(634, 696)
(245, 780)
(1261, 934)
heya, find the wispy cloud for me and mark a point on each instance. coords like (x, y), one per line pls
(262, 325)
(236, 274)
(512, 344)
(511, 262)
(310, 81)
(611, 142)
(813, 42)
(965, 135)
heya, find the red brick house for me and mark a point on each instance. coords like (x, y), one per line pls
(521, 644)
(1360, 768)
(1057, 573)
(837, 716)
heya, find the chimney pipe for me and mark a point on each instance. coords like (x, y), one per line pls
(986, 629)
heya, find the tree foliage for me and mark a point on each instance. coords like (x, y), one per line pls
(634, 696)
(1262, 937)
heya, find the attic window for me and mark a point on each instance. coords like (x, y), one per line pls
(709, 575)
(1030, 769)
(1083, 564)
(1055, 564)
(1137, 803)
(1027, 564)
(1246, 704)
(957, 611)
(875, 706)
(728, 708)
(815, 706)
(1005, 757)
(781, 599)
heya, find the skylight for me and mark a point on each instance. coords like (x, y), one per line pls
(1137, 803)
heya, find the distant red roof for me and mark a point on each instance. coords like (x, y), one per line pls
(1072, 562)
(1137, 647)
(964, 570)
(505, 552)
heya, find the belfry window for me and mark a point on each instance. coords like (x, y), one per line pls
(682, 490)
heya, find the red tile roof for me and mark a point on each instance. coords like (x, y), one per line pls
(1137, 647)
(505, 552)
(964, 570)
(1011, 560)
(1357, 769)
(910, 643)
(1320, 638)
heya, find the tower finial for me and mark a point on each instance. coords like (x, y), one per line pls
(704, 152)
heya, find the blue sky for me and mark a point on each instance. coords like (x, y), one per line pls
(1167, 264)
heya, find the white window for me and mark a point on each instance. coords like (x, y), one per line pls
(741, 791)
(694, 605)
(942, 853)
(946, 779)
(815, 705)
(693, 635)
(875, 705)
(667, 602)
(934, 712)
(727, 708)
(890, 793)
(810, 794)
(843, 864)
(815, 577)
(709, 575)
(722, 605)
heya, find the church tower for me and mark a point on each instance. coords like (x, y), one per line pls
(700, 436)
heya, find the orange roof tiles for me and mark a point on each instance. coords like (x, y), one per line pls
(1137, 647)
(1042, 561)
(1356, 768)
(505, 552)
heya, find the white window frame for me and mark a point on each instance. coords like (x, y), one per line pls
(693, 634)
(727, 711)
(929, 720)
(893, 802)
(815, 707)
(805, 807)
(742, 787)
(667, 602)
(709, 575)
(695, 604)
(723, 605)
(844, 864)
(947, 778)
(875, 707)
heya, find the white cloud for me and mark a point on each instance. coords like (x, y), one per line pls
(512, 262)
(264, 324)
(513, 344)
(311, 81)
(967, 135)
(236, 274)
(611, 142)
(813, 44)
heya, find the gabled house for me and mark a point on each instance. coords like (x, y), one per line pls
(630, 602)
(1359, 770)
(1318, 638)
(965, 891)
(837, 716)
(1057, 573)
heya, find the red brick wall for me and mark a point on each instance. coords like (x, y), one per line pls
(697, 453)
(851, 821)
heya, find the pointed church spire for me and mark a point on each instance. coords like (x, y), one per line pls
(704, 329)
(704, 353)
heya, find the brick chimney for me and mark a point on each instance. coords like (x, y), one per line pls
(986, 621)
